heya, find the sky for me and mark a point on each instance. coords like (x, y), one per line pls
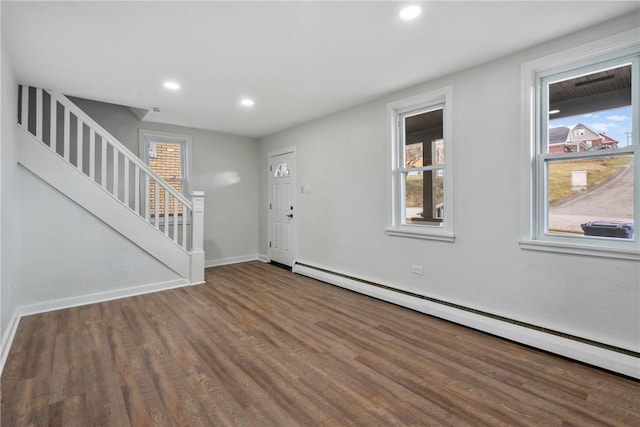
(615, 123)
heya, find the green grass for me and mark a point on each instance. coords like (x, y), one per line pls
(598, 170)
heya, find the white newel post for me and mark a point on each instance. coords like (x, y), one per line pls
(197, 237)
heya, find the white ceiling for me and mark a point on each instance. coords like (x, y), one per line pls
(298, 60)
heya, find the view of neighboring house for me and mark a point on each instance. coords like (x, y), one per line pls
(580, 138)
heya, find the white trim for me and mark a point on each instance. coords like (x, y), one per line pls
(441, 97)
(566, 58)
(597, 356)
(231, 260)
(579, 249)
(99, 297)
(8, 338)
(420, 232)
(63, 303)
(532, 235)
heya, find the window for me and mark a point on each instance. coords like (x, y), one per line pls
(282, 170)
(167, 155)
(421, 166)
(584, 139)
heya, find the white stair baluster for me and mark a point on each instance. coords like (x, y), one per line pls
(39, 113)
(92, 155)
(126, 183)
(25, 107)
(156, 198)
(147, 190)
(67, 133)
(136, 189)
(166, 212)
(185, 215)
(103, 166)
(79, 144)
(115, 172)
(175, 220)
(53, 127)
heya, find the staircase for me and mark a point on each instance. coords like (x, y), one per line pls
(63, 146)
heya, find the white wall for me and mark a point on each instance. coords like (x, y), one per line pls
(119, 121)
(341, 224)
(67, 253)
(224, 166)
(8, 197)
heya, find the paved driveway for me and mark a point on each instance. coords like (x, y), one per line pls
(612, 201)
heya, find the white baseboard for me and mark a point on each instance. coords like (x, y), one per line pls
(59, 304)
(29, 309)
(7, 338)
(583, 352)
(231, 260)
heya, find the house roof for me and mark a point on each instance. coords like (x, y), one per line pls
(558, 135)
(607, 138)
(299, 60)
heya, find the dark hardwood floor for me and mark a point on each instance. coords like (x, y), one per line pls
(259, 346)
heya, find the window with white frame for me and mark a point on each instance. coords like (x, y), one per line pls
(584, 190)
(167, 155)
(421, 166)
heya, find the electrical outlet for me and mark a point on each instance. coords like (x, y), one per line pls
(416, 269)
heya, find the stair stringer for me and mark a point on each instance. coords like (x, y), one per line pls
(74, 184)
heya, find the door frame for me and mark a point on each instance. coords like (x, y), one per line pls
(272, 154)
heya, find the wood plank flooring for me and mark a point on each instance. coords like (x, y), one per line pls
(259, 346)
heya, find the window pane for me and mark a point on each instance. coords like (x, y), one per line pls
(423, 135)
(282, 170)
(590, 112)
(590, 190)
(424, 197)
(165, 159)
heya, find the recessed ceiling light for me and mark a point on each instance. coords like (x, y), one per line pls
(247, 102)
(171, 85)
(410, 12)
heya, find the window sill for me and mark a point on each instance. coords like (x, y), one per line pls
(581, 249)
(422, 233)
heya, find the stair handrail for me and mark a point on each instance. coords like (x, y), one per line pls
(86, 119)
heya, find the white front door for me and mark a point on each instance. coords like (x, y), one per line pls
(282, 244)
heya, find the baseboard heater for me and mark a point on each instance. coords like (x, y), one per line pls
(605, 356)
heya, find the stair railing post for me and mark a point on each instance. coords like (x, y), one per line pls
(197, 237)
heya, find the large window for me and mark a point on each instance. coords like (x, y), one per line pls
(166, 155)
(585, 154)
(421, 180)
